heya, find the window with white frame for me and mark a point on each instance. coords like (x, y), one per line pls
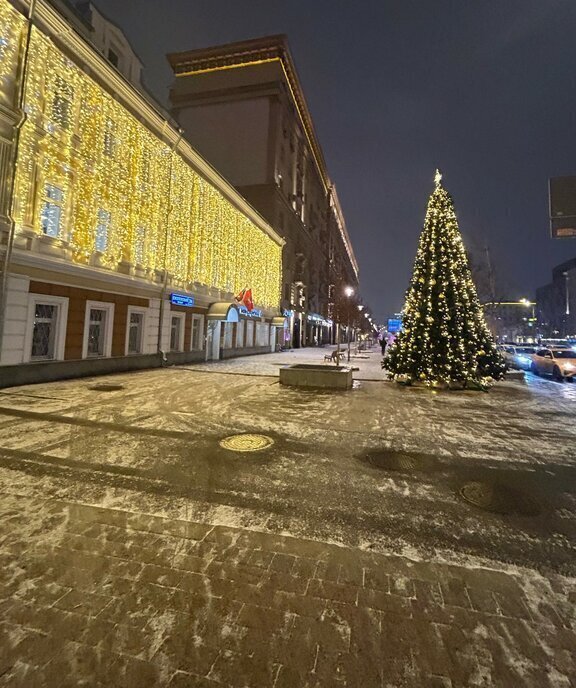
(240, 334)
(135, 331)
(197, 338)
(52, 212)
(102, 230)
(46, 329)
(176, 331)
(98, 327)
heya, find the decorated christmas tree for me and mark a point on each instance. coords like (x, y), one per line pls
(444, 339)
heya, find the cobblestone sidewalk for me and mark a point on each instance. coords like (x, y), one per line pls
(98, 597)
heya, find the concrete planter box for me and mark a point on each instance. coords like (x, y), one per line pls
(319, 376)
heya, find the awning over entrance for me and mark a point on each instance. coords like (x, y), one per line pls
(279, 321)
(224, 310)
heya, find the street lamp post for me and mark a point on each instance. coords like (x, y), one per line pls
(348, 291)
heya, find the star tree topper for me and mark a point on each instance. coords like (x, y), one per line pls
(438, 177)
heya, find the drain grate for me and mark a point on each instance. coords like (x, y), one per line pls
(395, 461)
(106, 388)
(246, 442)
(499, 499)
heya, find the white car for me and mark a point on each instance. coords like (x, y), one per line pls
(560, 363)
(518, 356)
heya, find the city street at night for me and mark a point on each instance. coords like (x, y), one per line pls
(384, 536)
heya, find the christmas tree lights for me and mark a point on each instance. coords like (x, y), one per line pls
(444, 337)
(163, 214)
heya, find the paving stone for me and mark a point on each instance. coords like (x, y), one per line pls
(282, 563)
(332, 591)
(249, 609)
(377, 580)
(376, 599)
(454, 593)
(238, 670)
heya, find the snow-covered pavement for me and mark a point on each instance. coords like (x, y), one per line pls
(382, 475)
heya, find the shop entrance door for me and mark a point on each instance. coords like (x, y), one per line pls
(213, 340)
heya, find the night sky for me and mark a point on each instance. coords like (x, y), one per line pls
(484, 90)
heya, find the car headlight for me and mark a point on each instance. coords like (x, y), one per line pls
(569, 366)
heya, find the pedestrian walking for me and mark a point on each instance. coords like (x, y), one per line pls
(383, 345)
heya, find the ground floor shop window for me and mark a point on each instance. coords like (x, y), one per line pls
(262, 334)
(176, 331)
(228, 330)
(249, 333)
(240, 334)
(46, 328)
(98, 329)
(197, 338)
(135, 331)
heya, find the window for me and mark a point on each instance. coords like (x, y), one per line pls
(135, 331)
(240, 334)
(196, 343)
(228, 330)
(113, 57)
(176, 332)
(102, 230)
(249, 333)
(46, 329)
(262, 334)
(98, 329)
(139, 244)
(110, 139)
(52, 210)
(62, 103)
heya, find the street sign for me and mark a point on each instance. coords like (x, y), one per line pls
(181, 300)
(394, 325)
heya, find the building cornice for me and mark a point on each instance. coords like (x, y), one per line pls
(253, 52)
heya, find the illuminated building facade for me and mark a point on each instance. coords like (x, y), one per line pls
(243, 108)
(121, 246)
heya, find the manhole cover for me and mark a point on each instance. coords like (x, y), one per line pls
(106, 388)
(394, 461)
(246, 443)
(499, 499)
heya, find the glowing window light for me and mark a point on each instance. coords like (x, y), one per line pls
(51, 215)
(139, 243)
(102, 230)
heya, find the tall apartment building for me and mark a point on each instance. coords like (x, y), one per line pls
(120, 246)
(557, 302)
(242, 106)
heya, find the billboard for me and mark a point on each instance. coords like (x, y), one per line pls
(394, 325)
(562, 198)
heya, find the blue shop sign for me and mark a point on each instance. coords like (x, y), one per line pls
(181, 300)
(254, 313)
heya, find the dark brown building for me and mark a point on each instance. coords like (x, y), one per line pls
(242, 106)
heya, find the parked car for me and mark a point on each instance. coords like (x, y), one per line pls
(518, 355)
(558, 362)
